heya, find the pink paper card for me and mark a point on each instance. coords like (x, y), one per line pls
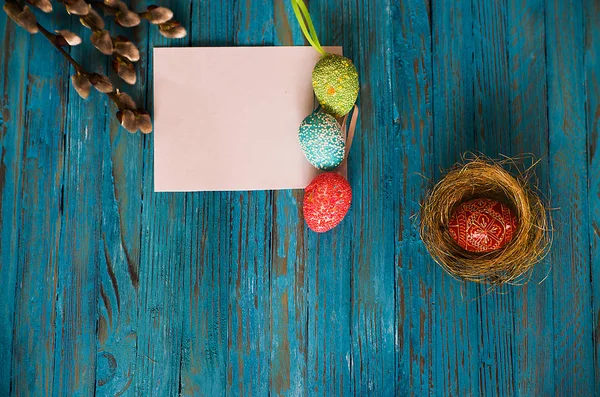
(228, 118)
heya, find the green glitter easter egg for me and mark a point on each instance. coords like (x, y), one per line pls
(322, 141)
(335, 82)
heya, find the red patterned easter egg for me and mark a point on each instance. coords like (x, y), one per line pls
(482, 225)
(327, 200)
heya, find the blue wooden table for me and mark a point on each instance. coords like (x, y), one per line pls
(111, 289)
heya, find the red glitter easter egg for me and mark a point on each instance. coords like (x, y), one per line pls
(482, 225)
(326, 201)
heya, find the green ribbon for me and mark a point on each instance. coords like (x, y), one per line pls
(306, 24)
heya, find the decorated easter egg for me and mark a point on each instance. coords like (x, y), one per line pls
(322, 141)
(335, 82)
(327, 200)
(482, 225)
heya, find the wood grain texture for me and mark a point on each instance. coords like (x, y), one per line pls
(573, 348)
(412, 133)
(13, 97)
(34, 347)
(114, 290)
(592, 88)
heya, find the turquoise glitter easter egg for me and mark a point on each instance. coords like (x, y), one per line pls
(322, 141)
(335, 82)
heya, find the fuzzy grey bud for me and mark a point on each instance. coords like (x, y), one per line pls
(144, 122)
(158, 15)
(116, 4)
(124, 101)
(82, 85)
(22, 17)
(172, 30)
(77, 7)
(70, 38)
(127, 18)
(102, 41)
(125, 48)
(44, 5)
(124, 69)
(101, 83)
(127, 120)
(92, 20)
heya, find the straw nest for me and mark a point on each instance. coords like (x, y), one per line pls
(479, 178)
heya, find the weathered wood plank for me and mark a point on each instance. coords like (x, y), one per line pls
(205, 295)
(289, 305)
(250, 256)
(573, 347)
(248, 327)
(119, 258)
(410, 161)
(79, 250)
(40, 226)
(163, 252)
(532, 360)
(452, 49)
(289, 284)
(490, 79)
(329, 357)
(14, 70)
(592, 81)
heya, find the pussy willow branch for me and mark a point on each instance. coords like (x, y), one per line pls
(129, 115)
(76, 66)
(127, 74)
(52, 39)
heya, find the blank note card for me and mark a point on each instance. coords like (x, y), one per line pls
(228, 118)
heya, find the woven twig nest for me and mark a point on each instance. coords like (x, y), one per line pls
(484, 178)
